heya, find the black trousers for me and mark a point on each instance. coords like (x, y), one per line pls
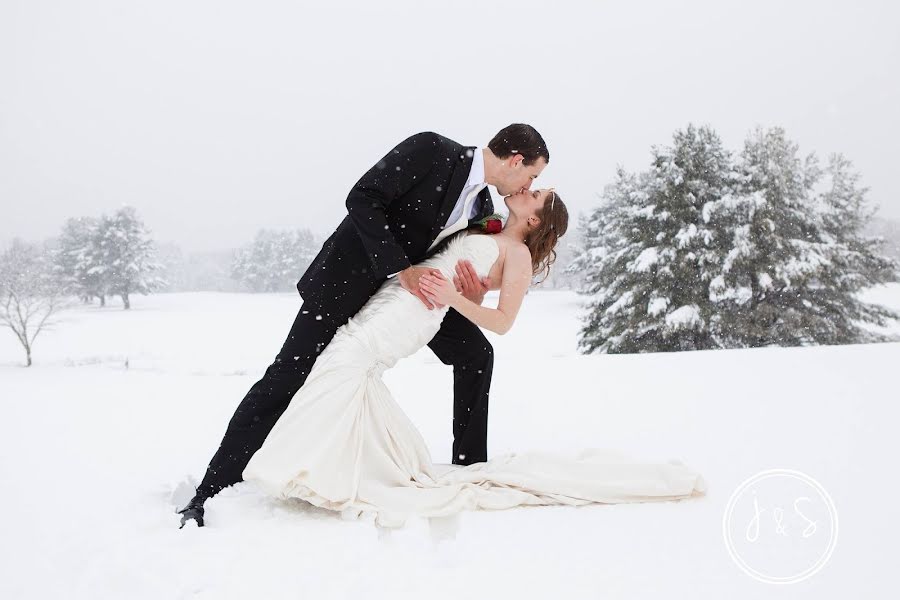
(459, 343)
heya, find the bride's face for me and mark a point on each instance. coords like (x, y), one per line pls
(526, 204)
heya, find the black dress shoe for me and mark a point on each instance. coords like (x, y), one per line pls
(194, 510)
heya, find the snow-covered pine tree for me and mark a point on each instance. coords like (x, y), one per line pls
(244, 265)
(300, 250)
(775, 248)
(601, 242)
(76, 256)
(789, 276)
(856, 260)
(274, 260)
(649, 254)
(126, 256)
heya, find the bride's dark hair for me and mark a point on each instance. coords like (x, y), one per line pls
(542, 240)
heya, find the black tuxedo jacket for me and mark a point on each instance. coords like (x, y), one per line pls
(395, 211)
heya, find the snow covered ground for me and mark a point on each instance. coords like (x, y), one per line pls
(96, 457)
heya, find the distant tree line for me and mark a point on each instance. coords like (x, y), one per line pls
(93, 258)
(274, 261)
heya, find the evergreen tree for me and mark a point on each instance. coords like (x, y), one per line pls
(76, 257)
(702, 252)
(274, 260)
(650, 253)
(856, 261)
(774, 249)
(126, 256)
(796, 259)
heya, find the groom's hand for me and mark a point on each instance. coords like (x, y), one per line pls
(409, 281)
(468, 284)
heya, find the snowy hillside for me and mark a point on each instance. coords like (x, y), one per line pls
(96, 457)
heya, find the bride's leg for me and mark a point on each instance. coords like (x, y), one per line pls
(460, 343)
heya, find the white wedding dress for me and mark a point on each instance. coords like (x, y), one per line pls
(344, 444)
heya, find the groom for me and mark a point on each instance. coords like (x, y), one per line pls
(400, 212)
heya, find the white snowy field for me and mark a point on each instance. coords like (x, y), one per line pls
(96, 457)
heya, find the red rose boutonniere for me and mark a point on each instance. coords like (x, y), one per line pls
(491, 223)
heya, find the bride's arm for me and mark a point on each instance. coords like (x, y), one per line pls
(516, 279)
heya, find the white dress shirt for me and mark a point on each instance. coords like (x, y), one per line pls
(474, 184)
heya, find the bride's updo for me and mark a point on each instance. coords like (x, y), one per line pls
(541, 240)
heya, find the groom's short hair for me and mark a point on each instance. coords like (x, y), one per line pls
(519, 138)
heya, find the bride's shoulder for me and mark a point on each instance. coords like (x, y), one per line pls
(518, 251)
(513, 252)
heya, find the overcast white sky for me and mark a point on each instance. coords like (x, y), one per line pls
(216, 118)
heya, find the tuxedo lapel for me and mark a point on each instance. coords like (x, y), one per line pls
(454, 189)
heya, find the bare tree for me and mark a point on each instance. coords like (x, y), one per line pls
(28, 296)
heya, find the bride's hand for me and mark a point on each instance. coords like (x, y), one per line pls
(468, 282)
(409, 281)
(438, 289)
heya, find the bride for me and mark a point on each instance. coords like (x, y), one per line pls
(344, 444)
